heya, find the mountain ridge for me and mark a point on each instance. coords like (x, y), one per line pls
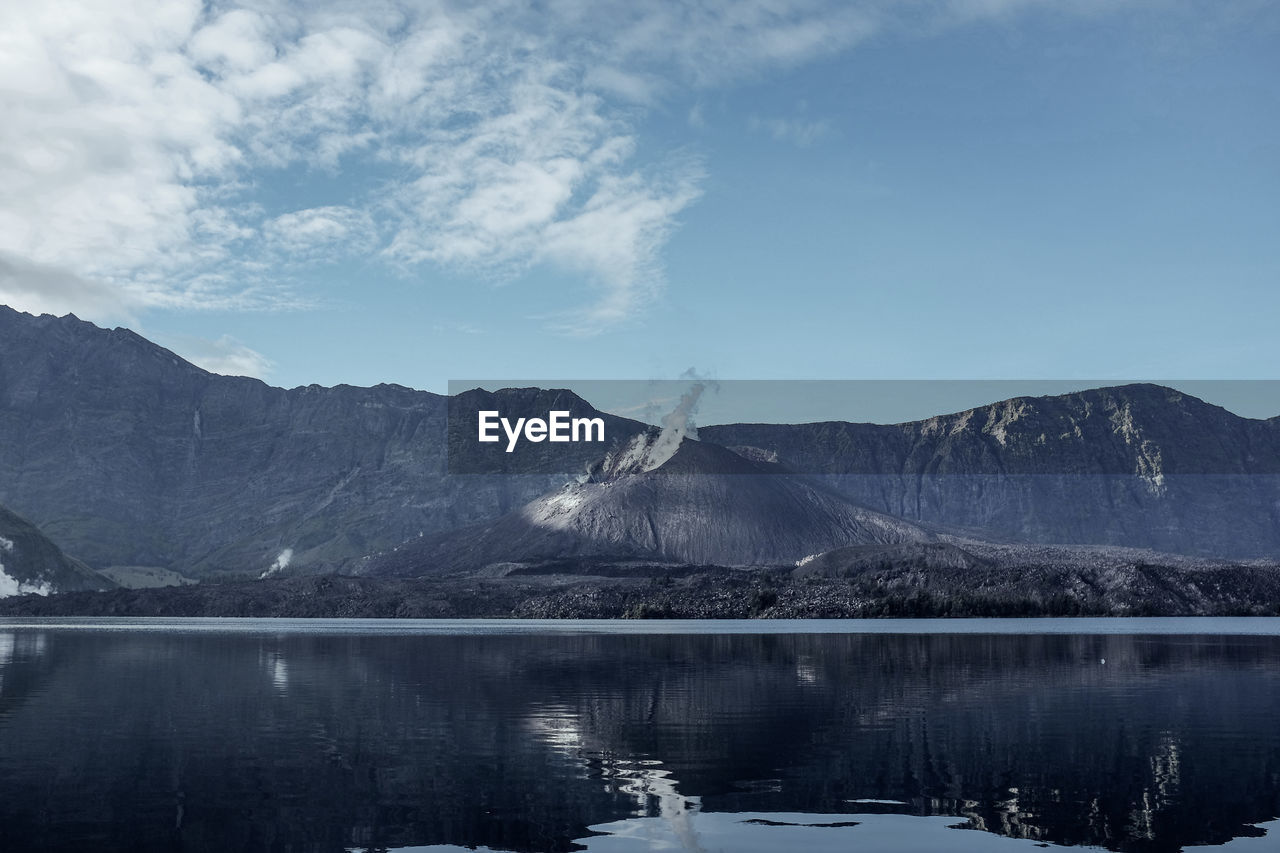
(1139, 464)
(129, 455)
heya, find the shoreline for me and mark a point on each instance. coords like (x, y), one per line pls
(1155, 626)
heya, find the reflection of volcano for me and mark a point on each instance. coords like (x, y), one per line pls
(522, 742)
(687, 501)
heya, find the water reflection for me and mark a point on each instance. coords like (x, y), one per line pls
(17, 645)
(155, 741)
(813, 833)
(7, 643)
(277, 669)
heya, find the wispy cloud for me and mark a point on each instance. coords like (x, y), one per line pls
(796, 131)
(226, 355)
(321, 233)
(137, 137)
(458, 327)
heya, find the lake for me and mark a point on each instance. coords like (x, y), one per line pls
(892, 735)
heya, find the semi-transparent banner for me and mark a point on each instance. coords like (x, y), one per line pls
(874, 428)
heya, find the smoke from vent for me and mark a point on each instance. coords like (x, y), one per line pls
(677, 425)
(652, 448)
(10, 585)
(282, 561)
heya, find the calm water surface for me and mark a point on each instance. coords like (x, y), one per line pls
(974, 735)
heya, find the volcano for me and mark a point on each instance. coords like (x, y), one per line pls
(663, 499)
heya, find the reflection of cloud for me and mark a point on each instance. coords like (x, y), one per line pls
(280, 674)
(16, 645)
(1261, 844)
(645, 780)
(276, 668)
(766, 832)
(806, 672)
(556, 727)
(7, 640)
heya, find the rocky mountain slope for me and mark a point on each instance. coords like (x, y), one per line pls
(129, 455)
(682, 501)
(31, 564)
(1136, 465)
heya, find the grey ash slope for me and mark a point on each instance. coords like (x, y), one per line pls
(30, 562)
(1135, 465)
(129, 455)
(700, 504)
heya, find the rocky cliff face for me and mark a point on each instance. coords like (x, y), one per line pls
(129, 455)
(1136, 465)
(690, 502)
(31, 564)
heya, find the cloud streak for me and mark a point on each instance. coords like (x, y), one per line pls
(798, 132)
(226, 355)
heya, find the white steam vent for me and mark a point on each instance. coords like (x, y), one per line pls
(283, 559)
(10, 586)
(649, 450)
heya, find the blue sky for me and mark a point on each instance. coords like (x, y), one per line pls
(761, 189)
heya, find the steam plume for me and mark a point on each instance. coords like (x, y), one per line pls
(282, 561)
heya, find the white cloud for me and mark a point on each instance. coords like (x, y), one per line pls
(459, 327)
(137, 136)
(45, 289)
(226, 355)
(324, 233)
(109, 135)
(798, 132)
(138, 139)
(717, 41)
(616, 241)
(237, 40)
